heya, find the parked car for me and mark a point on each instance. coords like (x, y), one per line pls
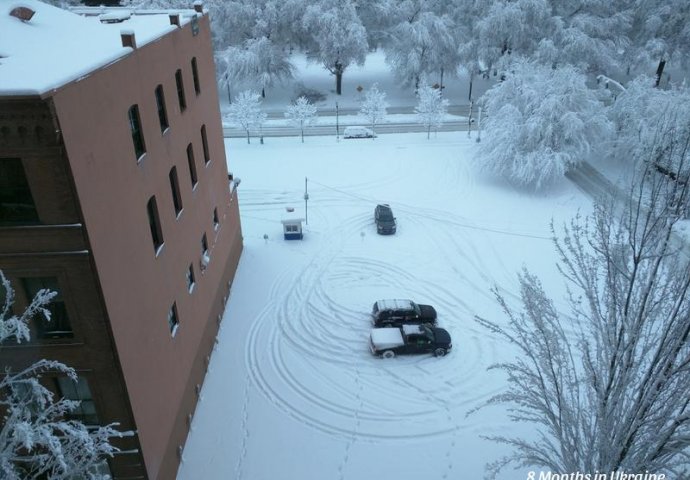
(385, 221)
(358, 132)
(409, 339)
(386, 313)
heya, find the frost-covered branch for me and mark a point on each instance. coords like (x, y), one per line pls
(37, 438)
(606, 384)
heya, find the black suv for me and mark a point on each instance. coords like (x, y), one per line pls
(387, 313)
(385, 221)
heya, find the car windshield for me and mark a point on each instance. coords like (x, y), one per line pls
(429, 333)
(385, 215)
(417, 310)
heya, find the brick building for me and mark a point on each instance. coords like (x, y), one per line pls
(114, 192)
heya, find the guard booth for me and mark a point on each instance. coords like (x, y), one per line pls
(292, 228)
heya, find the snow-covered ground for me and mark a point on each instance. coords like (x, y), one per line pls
(292, 390)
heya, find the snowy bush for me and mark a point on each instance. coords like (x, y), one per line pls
(374, 106)
(246, 112)
(36, 441)
(431, 108)
(301, 114)
(541, 122)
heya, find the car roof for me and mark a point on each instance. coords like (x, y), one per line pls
(395, 304)
(412, 329)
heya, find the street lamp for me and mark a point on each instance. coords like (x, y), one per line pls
(306, 198)
(337, 125)
(479, 125)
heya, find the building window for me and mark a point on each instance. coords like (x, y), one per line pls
(195, 74)
(190, 278)
(16, 203)
(78, 391)
(216, 221)
(180, 90)
(154, 224)
(204, 245)
(173, 321)
(58, 325)
(137, 134)
(204, 144)
(175, 187)
(162, 113)
(205, 256)
(192, 165)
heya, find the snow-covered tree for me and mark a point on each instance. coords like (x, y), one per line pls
(424, 44)
(431, 108)
(246, 112)
(541, 122)
(640, 109)
(301, 114)
(36, 439)
(374, 106)
(660, 33)
(606, 384)
(338, 38)
(257, 62)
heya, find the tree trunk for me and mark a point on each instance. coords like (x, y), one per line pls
(248, 137)
(428, 131)
(440, 88)
(302, 135)
(339, 83)
(263, 92)
(471, 80)
(659, 72)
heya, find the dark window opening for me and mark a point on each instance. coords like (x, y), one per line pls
(154, 224)
(216, 221)
(137, 134)
(204, 245)
(79, 391)
(173, 321)
(175, 187)
(195, 74)
(58, 325)
(190, 278)
(180, 90)
(162, 113)
(204, 144)
(192, 165)
(16, 202)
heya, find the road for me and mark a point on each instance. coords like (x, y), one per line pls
(405, 126)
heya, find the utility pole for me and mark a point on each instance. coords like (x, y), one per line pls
(306, 197)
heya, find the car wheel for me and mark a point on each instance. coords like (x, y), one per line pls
(388, 354)
(439, 352)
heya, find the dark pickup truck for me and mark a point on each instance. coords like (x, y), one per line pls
(409, 339)
(387, 313)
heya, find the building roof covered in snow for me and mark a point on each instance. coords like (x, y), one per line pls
(52, 47)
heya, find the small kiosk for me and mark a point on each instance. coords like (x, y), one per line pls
(292, 226)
